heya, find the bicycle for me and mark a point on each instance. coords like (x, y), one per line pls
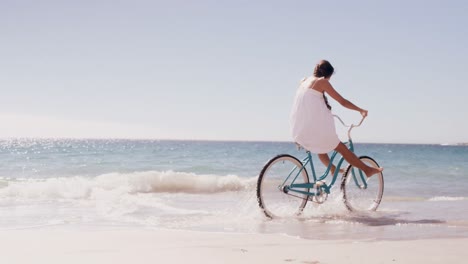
(284, 188)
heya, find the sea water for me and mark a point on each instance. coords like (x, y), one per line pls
(210, 186)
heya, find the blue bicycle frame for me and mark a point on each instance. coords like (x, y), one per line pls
(318, 184)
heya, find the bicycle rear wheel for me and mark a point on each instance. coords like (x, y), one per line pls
(273, 195)
(359, 195)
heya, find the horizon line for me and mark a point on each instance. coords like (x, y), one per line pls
(213, 140)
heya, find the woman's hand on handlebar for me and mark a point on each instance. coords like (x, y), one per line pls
(363, 113)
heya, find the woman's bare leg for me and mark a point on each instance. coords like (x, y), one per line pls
(325, 159)
(355, 161)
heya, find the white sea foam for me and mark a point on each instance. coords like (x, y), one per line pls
(446, 199)
(132, 183)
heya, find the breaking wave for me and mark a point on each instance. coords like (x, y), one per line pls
(137, 182)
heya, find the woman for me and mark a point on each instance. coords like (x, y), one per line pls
(312, 122)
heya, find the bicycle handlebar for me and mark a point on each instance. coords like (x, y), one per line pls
(350, 126)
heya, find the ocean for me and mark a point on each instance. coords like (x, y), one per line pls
(210, 186)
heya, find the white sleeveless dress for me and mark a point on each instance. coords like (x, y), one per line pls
(312, 123)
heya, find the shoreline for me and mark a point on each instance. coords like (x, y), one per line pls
(129, 245)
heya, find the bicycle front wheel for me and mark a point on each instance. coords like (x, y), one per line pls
(359, 192)
(274, 195)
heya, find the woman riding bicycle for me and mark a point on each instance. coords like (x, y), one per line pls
(312, 122)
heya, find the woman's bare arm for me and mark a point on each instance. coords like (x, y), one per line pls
(328, 88)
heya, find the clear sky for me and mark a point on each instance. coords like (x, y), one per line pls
(228, 70)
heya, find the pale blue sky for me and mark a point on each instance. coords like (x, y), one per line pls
(228, 70)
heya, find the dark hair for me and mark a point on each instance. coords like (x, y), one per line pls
(324, 69)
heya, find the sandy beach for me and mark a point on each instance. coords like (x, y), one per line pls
(173, 246)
